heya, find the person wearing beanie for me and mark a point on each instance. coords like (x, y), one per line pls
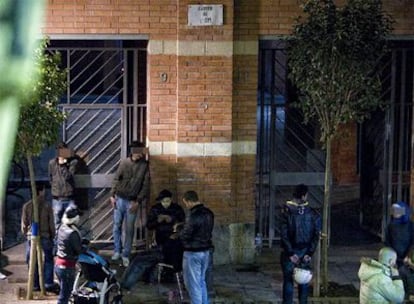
(69, 246)
(380, 281)
(399, 234)
(164, 218)
(407, 275)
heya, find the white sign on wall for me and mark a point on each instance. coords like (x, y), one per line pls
(202, 15)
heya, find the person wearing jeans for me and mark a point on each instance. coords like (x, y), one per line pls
(300, 230)
(69, 246)
(46, 234)
(124, 210)
(62, 183)
(196, 237)
(129, 189)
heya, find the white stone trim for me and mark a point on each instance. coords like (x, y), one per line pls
(202, 48)
(202, 149)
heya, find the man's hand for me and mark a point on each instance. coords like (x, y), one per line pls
(62, 160)
(307, 258)
(164, 218)
(394, 272)
(113, 201)
(174, 236)
(133, 207)
(294, 259)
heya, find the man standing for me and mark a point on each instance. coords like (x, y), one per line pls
(130, 188)
(46, 233)
(300, 231)
(196, 238)
(61, 176)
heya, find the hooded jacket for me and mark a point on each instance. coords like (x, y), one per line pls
(400, 233)
(377, 284)
(300, 227)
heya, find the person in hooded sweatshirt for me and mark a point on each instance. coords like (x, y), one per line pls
(380, 282)
(399, 234)
(69, 246)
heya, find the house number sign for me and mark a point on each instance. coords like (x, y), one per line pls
(204, 15)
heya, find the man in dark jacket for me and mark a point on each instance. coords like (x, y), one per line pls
(399, 234)
(164, 217)
(300, 231)
(69, 246)
(46, 233)
(130, 188)
(196, 238)
(61, 176)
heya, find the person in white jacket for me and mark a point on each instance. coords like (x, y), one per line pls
(379, 280)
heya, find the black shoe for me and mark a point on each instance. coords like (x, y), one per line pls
(53, 289)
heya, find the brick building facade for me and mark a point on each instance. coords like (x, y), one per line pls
(202, 88)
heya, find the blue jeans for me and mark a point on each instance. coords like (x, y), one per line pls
(47, 246)
(288, 284)
(195, 265)
(66, 278)
(121, 213)
(59, 207)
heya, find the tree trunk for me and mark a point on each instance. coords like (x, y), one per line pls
(325, 217)
(36, 253)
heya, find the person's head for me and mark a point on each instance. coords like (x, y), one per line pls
(164, 198)
(300, 192)
(400, 211)
(409, 259)
(40, 189)
(387, 256)
(190, 199)
(71, 216)
(137, 150)
(63, 151)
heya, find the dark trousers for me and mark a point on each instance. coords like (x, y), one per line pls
(47, 246)
(288, 284)
(66, 278)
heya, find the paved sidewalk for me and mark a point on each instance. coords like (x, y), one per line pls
(258, 283)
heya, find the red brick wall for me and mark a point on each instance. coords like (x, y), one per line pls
(206, 98)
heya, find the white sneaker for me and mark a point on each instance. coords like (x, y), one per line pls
(2, 276)
(116, 256)
(125, 261)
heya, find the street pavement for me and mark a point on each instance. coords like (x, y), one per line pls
(260, 282)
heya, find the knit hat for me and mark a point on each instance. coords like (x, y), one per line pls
(72, 215)
(163, 194)
(397, 210)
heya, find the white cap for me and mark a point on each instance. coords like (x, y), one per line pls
(397, 210)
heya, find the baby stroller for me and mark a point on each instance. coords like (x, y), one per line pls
(95, 281)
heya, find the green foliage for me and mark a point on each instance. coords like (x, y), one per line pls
(332, 56)
(40, 118)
